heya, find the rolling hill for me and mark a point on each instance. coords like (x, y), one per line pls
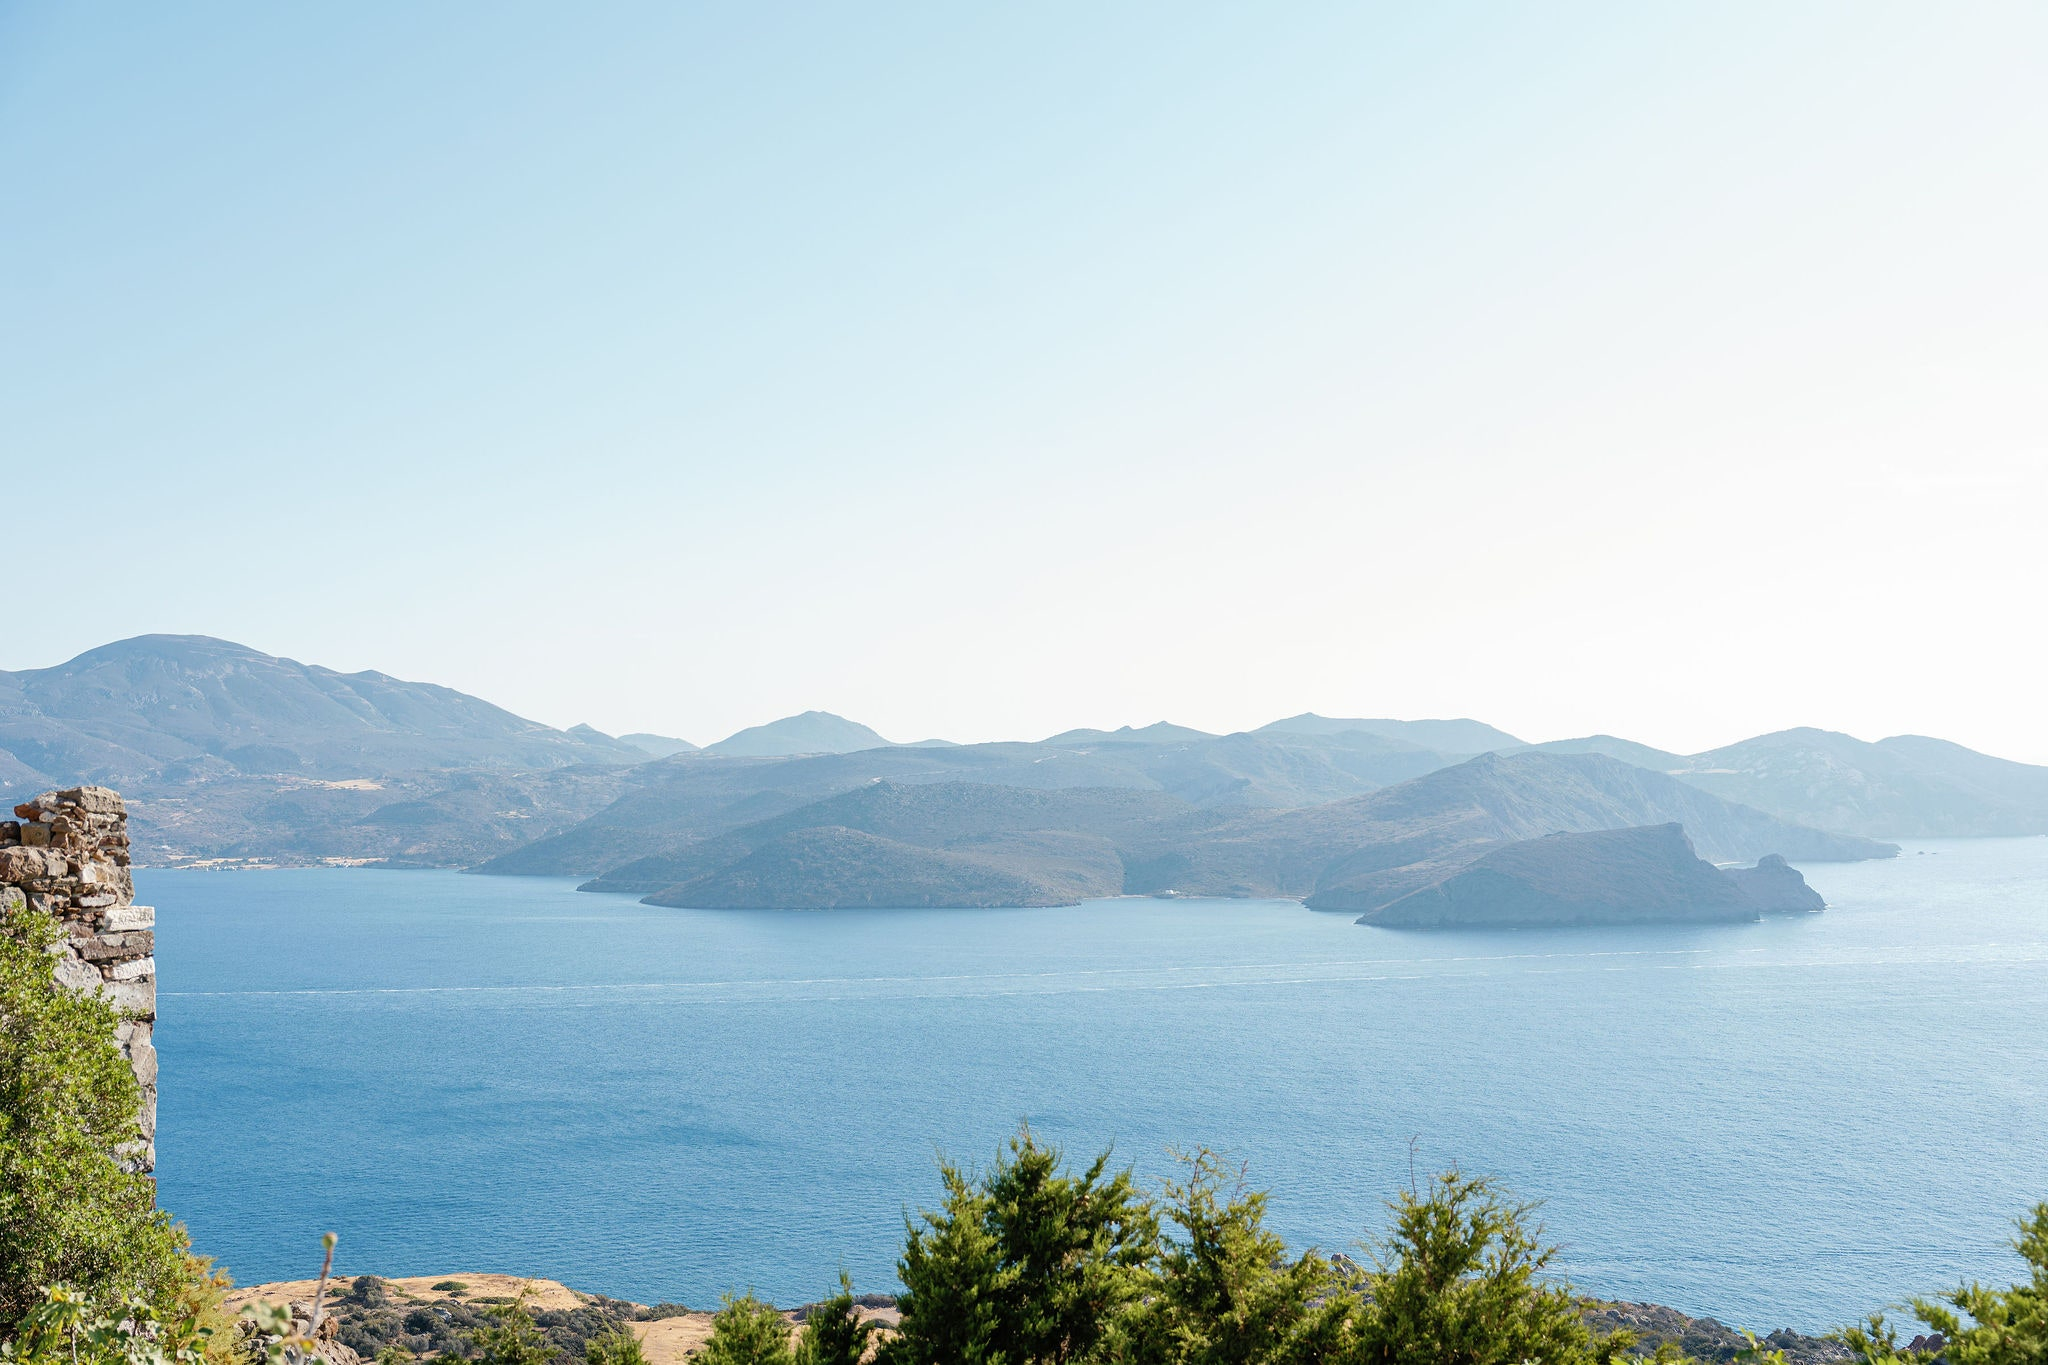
(1447, 736)
(813, 732)
(1355, 854)
(1908, 786)
(189, 707)
(658, 746)
(1648, 875)
(225, 752)
(678, 801)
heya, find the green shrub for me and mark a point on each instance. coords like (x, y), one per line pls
(616, 1347)
(834, 1333)
(1027, 1264)
(67, 1329)
(1458, 1281)
(746, 1331)
(510, 1338)
(69, 1214)
(1979, 1326)
(1225, 1291)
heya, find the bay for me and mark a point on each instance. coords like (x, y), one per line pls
(1786, 1123)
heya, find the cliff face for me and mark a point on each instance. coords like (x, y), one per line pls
(1775, 887)
(66, 853)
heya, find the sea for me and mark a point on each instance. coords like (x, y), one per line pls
(1785, 1123)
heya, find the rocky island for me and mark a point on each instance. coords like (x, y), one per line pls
(1646, 875)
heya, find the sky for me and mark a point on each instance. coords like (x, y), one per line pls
(1676, 371)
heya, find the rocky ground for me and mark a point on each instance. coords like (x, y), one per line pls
(438, 1315)
(1704, 1338)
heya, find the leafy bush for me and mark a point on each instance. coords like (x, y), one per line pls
(1457, 1283)
(66, 1329)
(834, 1333)
(69, 1214)
(1029, 1263)
(746, 1331)
(511, 1338)
(1977, 1325)
(617, 1347)
(1224, 1291)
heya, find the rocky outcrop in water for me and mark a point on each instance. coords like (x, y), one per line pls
(1648, 875)
(1775, 887)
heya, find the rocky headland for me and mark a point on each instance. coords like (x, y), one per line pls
(1649, 875)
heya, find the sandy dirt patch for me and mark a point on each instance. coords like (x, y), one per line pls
(540, 1294)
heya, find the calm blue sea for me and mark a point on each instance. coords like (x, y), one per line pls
(1786, 1123)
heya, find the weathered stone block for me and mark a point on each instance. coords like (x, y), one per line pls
(133, 969)
(35, 836)
(117, 947)
(123, 917)
(98, 800)
(75, 974)
(132, 997)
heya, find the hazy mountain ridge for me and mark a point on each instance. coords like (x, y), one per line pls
(1449, 736)
(1907, 786)
(182, 708)
(658, 746)
(1356, 854)
(813, 732)
(229, 752)
(678, 801)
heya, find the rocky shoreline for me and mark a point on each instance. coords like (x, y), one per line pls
(437, 1315)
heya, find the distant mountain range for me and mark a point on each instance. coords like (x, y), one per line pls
(1908, 786)
(659, 746)
(229, 753)
(813, 732)
(980, 843)
(188, 707)
(1447, 736)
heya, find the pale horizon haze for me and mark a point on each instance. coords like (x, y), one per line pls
(1677, 372)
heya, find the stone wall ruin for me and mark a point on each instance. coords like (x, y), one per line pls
(66, 853)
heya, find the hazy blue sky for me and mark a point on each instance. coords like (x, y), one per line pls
(1674, 370)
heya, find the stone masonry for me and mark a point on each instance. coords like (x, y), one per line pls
(66, 853)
